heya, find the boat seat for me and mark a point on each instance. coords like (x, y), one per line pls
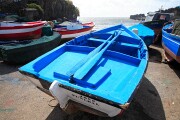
(95, 39)
(93, 80)
(121, 43)
(130, 45)
(101, 35)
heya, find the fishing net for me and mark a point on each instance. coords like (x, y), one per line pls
(176, 27)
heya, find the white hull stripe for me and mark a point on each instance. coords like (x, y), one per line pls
(13, 31)
(75, 35)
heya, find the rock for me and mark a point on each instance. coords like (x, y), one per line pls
(137, 17)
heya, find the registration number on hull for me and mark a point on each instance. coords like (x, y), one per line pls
(85, 99)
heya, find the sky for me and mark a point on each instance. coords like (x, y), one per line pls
(121, 8)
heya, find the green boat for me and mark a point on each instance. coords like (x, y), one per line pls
(22, 52)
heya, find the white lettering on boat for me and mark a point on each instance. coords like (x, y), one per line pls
(86, 99)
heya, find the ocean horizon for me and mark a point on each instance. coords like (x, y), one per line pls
(104, 22)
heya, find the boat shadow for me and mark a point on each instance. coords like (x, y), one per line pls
(6, 68)
(175, 66)
(155, 54)
(146, 105)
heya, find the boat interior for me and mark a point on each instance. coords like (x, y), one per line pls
(117, 64)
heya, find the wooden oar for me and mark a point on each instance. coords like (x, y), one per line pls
(81, 72)
(84, 60)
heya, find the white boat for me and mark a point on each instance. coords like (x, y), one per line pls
(74, 29)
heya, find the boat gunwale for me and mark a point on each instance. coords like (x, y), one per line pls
(170, 36)
(23, 24)
(174, 41)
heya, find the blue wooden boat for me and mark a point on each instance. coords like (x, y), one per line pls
(171, 41)
(98, 72)
(144, 32)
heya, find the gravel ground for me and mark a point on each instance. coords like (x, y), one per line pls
(158, 97)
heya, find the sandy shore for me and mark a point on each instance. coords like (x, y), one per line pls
(158, 97)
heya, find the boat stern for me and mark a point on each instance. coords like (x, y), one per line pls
(66, 98)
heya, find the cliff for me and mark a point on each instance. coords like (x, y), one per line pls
(175, 10)
(52, 9)
(137, 17)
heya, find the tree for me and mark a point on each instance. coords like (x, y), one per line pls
(37, 7)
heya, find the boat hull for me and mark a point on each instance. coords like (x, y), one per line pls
(69, 34)
(22, 36)
(73, 34)
(144, 32)
(29, 30)
(112, 55)
(170, 55)
(171, 45)
(25, 52)
(156, 24)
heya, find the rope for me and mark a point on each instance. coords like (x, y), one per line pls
(49, 103)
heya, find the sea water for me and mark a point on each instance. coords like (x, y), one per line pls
(104, 22)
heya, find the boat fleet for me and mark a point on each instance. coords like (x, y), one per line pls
(79, 72)
(21, 42)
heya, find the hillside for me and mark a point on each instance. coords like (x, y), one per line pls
(49, 9)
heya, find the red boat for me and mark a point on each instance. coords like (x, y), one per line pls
(74, 29)
(20, 31)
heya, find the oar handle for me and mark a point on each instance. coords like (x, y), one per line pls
(89, 64)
